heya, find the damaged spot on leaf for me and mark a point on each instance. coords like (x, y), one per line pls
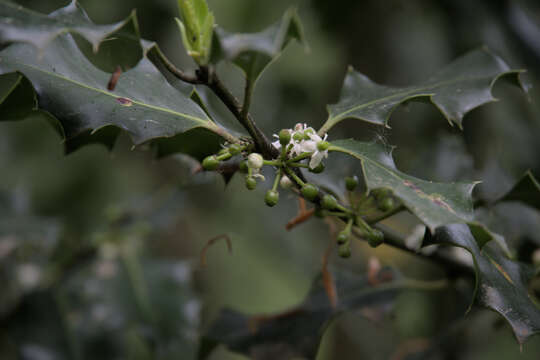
(502, 271)
(124, 101)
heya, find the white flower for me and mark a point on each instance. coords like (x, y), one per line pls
(301, 145)
(318, 155)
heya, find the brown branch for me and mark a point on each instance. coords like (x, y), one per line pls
(299, 219)
(328, 279)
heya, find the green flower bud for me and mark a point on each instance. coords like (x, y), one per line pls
(285, 182)
(323, 145)
(386, 204)
(255, 161)
(380, 194)
(310, 191)
(284, 137)
(375, 238)
(344, 251)
(318, 169)
(271, 198)
(298, 136)
(243, 166)
(342, 237)
(235, 149)
(351, 183)
(223, 151)
(210, 163)
(251, 183)
(329, 202)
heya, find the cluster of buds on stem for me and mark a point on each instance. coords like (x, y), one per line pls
(302, 147)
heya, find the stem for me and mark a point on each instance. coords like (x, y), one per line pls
(276, 180)
(301, 157)
(192, 79)
(386, 215)
(292, 175)
(248, 91)
(297, 164)
(272, 162)
(262, 144)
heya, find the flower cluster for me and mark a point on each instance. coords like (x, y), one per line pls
(304, 140)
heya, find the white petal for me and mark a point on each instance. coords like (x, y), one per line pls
(309, 145)
(316, 159)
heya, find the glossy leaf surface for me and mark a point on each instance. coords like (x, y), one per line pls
(457, 89)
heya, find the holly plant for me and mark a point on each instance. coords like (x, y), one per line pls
(48, 68)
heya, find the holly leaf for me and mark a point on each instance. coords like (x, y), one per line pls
(19, 24)
(142, 103)
(435, 204)
(457, 89)
(515, 221)
(253, 52)
(297, 332)
(526, 190)
(501, 284)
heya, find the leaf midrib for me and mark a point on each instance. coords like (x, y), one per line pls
(386, 169)
(405, 93)
(204, 123)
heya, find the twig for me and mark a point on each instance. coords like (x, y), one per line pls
(301, 218)
(114, 78)
(328, 279)
(192, 79)
(262, 144)
(211, 242)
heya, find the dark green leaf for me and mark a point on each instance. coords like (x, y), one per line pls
(253, 52)
(143, 103)
(514, 221)
(435, 204)
(462, 86)
(297, 331)
(18, 24)
(527, 190)
(501, 284)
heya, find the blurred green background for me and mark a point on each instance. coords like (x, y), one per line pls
(122, 218)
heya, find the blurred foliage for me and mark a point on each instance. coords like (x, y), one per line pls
(99, 251)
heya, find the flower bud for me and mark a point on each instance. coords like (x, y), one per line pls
(329, 202)
(310, 191)
(344, 251)
(251, 183)
(285, 182)
(243, 166)
(255, 161)
(351, 182)
(284, 137)
(298, 136)
(342, 237)
(386, 204)
(318, 169)
(323, 145)
(375, 238)
(210, 163)
(271, 198)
